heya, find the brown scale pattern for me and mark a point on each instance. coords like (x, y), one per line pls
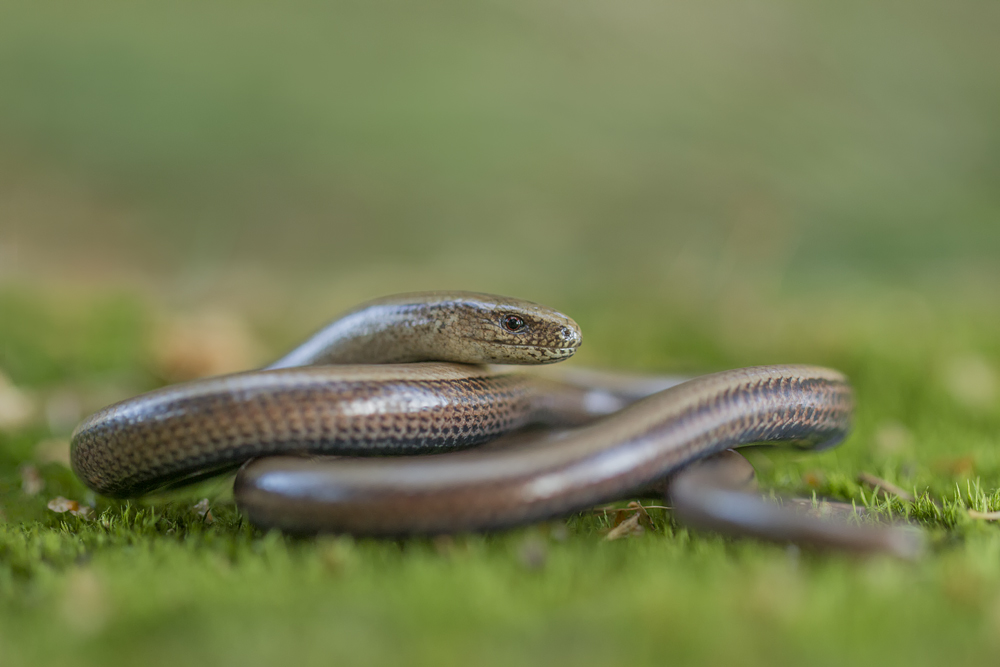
(139, 445)
(171, 435)
(611, 459)
(186, 431)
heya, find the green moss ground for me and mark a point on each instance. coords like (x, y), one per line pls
(149, 582)
(701, 185)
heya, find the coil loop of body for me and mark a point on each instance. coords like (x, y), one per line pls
(403, 377)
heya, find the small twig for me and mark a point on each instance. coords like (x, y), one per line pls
(889, 488)
(986, 516)
(611, 508)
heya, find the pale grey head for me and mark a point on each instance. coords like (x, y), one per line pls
(463, 327)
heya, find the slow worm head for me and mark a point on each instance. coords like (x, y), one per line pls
(461, 327)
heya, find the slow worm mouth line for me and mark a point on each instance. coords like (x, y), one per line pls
(521, 346)
(565, 350)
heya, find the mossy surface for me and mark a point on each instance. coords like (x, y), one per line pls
(153, 582)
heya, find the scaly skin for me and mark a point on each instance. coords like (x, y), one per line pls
(307, 404)
(186, 431)
(559, 473)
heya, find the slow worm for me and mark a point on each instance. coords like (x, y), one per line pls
(404, 376)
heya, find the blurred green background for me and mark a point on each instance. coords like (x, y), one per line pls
(553, 146)
(188, 188)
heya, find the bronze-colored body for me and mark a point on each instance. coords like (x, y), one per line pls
(640, 433)
(559, 473)
(216, 424)
(184, 431)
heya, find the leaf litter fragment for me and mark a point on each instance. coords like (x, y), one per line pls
(630, 527)
(630, 521)
(202, 509)
(61, 505)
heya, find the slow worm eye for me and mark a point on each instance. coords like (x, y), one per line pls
(512, 323)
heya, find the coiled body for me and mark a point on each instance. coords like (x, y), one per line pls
(558, 472)
(613, 442)
(310, 402)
